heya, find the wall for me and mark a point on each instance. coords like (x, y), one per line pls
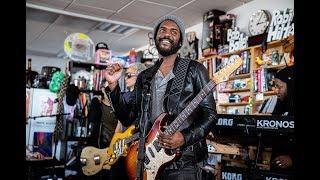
(244, 12)
(39, 61)
(198, 29)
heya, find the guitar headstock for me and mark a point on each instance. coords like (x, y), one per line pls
(224, 73)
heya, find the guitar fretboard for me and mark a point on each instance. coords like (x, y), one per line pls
(132, 138)
(173, 127)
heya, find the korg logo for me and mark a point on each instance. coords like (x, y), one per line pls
(225, 122)
(231, 176)
(272, 178)
(272, 124)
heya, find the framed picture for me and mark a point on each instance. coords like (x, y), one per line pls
(42, 143)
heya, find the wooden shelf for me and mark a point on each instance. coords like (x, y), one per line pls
(234, 104)
(270, 44)
(234, 90)
(265, 166)
(235, 52)
(262, 114)
(258, 102)
(74, 66)
(267, 93)
(224, 158)
(77, 138)
(240, 76)
(207, 58)
(280, 66)
(91, 91)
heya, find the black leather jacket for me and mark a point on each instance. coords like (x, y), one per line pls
(199, 123)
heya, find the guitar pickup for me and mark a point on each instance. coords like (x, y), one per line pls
(156, 145)
(96, 159)
(146, 159)
(151, 152)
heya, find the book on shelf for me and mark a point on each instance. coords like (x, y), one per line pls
(263, 80)
(268, 105)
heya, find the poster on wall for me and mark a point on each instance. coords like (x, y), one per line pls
(28, 110)
(40, 130)
(42, 143)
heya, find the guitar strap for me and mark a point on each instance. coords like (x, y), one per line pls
(177, 84)
(58, 129)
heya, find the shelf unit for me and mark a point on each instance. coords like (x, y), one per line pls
(234, 90)
(267, 93)
(282, 46)
(234, 104)
(240, 76)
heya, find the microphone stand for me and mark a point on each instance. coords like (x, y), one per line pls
(143, 121)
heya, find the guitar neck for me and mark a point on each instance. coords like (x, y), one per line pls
(132, 138)
(173, 127)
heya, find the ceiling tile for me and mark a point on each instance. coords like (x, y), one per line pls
(60, 4)
(40, 16)
(135, 40)
(175, 3)
(105, 4)
(207, 5)
(102, 36)
(40, 53)
(98, 12)
(189, 17)
(56, 35)
(141, 13)
(33, 29)
(71, 22)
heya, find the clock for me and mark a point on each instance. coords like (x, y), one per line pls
(259, 22)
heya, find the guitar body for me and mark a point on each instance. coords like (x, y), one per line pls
(95, 160)
(117, 146)
(158, 158)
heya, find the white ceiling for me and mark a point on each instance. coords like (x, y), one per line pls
(47, 27)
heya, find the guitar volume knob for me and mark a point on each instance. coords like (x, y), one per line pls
(83, 161)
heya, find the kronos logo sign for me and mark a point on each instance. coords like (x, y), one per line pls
(274, 124)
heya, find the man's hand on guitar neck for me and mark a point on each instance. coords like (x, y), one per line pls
(171, 141)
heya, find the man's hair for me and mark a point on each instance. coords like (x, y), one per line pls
(287, 75)
(138, 66)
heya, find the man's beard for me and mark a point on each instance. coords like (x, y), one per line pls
(167, 52)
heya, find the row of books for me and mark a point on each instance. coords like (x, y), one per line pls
(215, 64)
(268, 105)
(243, 69)
(263, 80)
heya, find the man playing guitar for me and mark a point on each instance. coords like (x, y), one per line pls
(167, 96)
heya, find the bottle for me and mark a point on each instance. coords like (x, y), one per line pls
(28, 75)
(275, 57)
(91, 78)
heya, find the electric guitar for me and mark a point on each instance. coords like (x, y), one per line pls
(156, 157)
(94, 159)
